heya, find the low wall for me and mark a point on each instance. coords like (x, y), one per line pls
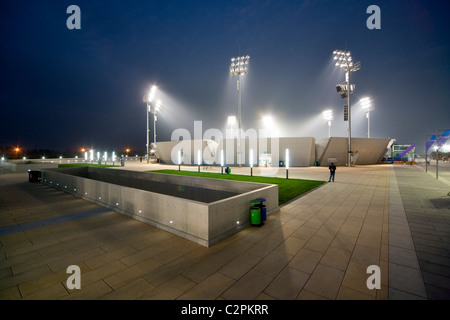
(204, 222)
(24, 166)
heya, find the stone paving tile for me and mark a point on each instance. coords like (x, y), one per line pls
(34, 286)
(325, 281)
(90, 292)
(305, 260)
(54, 292)
(336, 258)
(407, 279)
(130, 274)
(287, 284)
(273, 263)
(200, 271)
(246, 288)
(355, 278)
(89, 276)
(209, 289)
(167, 271)
(240, 265)
(131, 291)
(170, 290)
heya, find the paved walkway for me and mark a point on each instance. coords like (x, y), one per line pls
(318, 246)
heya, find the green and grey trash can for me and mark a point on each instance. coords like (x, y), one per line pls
(263, 208)
(255, 216)
(34, 176)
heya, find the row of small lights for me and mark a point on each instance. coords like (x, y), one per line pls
(100, 198)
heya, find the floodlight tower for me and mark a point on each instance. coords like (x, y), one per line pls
(366, 104)
(155, 111)
(345, 62)
(328, 116)
(148, 99)
(238, 67)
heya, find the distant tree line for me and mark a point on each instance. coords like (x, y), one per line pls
(12, 152)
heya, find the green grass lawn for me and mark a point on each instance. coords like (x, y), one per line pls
(67, 165)
(288, 189)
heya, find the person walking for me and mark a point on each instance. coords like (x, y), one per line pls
(332, 169)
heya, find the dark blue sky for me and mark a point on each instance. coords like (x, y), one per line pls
(66, 89)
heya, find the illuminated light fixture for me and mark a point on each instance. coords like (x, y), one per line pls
(269, 124)
(239, 67)
(328, 116)
(287, 163)
(222, 161)
(345, 62)
(148, 99)
(251, 162)
(366, 104)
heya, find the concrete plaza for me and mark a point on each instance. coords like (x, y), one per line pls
(317, 247)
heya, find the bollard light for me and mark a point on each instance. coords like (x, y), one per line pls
(287, 163)
(251, 162)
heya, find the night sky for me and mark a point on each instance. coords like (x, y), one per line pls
(66, 89)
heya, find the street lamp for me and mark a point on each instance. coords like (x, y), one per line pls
(155, 110)
(345, 62)
(148, 99)
(238, 67)
(366, 104)
(328, 116)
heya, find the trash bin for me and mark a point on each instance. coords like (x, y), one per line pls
(228, 170)
(255, 216)
(122, 161)
(263, 208)
(34, 176)
(281, 164)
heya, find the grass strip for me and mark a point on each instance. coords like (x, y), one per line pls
(68, 165)
(288, 189)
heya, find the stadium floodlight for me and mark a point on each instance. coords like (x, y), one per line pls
(238, 67)
(328, 116)
(148, 99)
(366, 104)
(345, 61)
(155, 111)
